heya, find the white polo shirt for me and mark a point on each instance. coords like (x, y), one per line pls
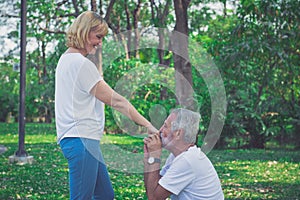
(191, 176)
(77, 112)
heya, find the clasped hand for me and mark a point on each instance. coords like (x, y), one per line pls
(152, 145)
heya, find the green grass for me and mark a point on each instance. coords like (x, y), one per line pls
(245, 174)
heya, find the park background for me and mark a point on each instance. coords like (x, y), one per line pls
(254, 45)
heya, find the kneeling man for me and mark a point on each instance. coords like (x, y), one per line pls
(187, 174)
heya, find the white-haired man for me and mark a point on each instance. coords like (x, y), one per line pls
(187, 174)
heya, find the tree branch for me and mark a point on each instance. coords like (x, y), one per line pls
(109, 10)
(62, 3)
(5, 15)
(76, 7)
(51, 31)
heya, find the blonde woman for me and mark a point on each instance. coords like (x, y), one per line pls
(80, 95)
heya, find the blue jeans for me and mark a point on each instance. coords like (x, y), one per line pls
(88, 176)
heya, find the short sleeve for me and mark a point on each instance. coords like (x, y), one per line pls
(88, 76)
(167, 165)
(178, 176)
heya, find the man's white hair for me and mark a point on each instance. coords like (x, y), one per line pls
(188, 121)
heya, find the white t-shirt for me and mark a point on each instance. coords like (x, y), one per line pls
(191, 176)
(77, 112)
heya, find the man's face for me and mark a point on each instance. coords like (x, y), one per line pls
(165, 131)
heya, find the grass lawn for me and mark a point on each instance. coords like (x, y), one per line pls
(245, 174)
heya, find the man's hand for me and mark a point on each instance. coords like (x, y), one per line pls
(146, 152)
(153, 146)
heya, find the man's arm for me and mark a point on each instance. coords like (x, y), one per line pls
(151, 177)
(152, 148)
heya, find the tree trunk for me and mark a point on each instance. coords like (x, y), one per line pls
(225, 8)
(94, 5)
(161, 23)
(136, 15)
(44, 60)
(183, 70)
(97, 57)
(161, 50)
(257, 140)
(108, 11)
(297, 135)
(129, 30)
(76, 8)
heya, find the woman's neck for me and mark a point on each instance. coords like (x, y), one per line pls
(75, 50)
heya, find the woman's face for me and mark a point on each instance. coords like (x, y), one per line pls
(94, 41)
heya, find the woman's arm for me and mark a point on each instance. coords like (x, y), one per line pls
(107, 95)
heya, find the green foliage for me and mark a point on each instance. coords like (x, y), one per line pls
(141, 84)
(9, 88)
(244, 174)
(39, 104)
(256, 50)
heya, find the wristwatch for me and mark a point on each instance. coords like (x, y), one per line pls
(152, 160)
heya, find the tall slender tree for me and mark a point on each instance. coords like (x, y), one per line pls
(159, 15)
(183, 75)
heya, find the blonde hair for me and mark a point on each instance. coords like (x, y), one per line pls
(78, 32)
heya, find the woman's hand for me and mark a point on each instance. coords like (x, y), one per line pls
(151, 129)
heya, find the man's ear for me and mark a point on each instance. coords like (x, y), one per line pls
(179, 134)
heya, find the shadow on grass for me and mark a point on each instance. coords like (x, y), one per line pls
(255, 154)
(261, 190)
